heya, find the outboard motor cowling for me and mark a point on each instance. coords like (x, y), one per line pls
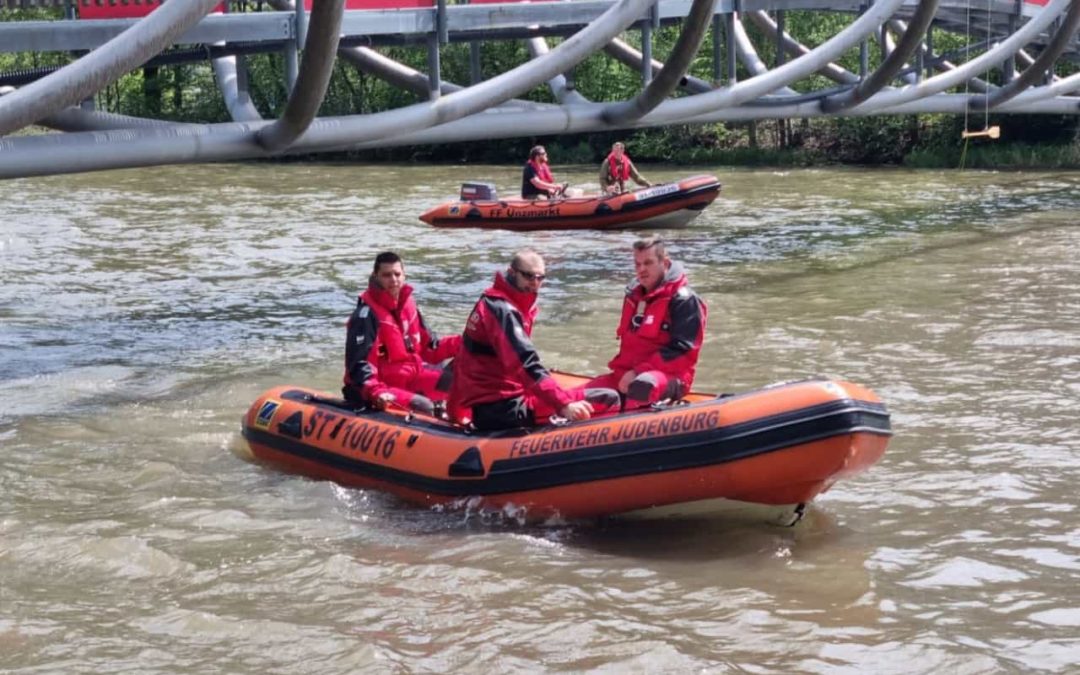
(472, 192)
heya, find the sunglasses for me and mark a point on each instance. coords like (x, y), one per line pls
(531, 276)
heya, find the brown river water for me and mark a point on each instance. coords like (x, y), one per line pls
(142, 311)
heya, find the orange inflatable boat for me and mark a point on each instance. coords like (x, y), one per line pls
(667, 205)
(782, 445)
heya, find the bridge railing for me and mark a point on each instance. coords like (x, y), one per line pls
(134, 9)
(120, 9)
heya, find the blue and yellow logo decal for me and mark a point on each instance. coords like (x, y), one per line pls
(266, 414)
(455, 209)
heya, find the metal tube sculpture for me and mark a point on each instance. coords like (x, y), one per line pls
(831, 70)
(995, 55)
(104, 65)
(693, 32)
(1038, 69)
(232, 84)
(749, 57)
(892, 65)
(323, 35)
(628, 56)
(488, 108)
(558, 84)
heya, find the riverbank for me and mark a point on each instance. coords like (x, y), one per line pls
(929, 141)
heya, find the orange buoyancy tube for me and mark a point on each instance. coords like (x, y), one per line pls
(780, 445)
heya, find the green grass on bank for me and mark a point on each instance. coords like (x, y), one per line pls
(997, 155)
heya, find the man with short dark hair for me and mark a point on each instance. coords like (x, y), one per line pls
(499, 382)
(660, 332)
(391, 356)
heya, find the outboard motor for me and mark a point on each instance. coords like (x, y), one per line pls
(474, 192)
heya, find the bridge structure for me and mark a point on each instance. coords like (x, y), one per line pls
(1021, 59)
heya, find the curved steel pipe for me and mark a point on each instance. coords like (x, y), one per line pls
(573, 50)
(401, 76)
(90, 74)
(969, 69)
(371, 61)
(905, 74)
(937, 63)
(892, 64)
(748, 56)
(237, 100)
(1060, 87)
(1036, 70)
(682, 55)
(994, 55)
(762, 20)
(218, 142)
(632, 58)
(323, 34)
(538, 47)
(58, 153)
(586, 119)
(76, 119)
(792, 71)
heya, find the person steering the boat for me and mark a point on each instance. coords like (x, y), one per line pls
(536, 179)
(616, 169)
(660, 332)
(499, 381)
(391, 356)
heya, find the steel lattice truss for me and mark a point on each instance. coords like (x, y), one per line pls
(1023, 42)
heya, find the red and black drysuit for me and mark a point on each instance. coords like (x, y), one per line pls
(660, 335)
(499, 381)
(389, 349)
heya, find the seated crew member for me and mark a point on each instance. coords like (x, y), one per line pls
(498, 374)
(660, 332)
(616, 169)
(390, 353)
(536, 179)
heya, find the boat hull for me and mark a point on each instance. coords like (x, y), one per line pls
(668, 205)
(778, 446)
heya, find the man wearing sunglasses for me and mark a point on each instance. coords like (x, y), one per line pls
(660, 333)
(499, 382)
(391, 356)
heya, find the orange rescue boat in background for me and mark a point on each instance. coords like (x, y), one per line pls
(665, 205)
(781, 445)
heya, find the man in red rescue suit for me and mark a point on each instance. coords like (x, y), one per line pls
(390, 353)
(660, 333)
(498, 377)
(616, 169)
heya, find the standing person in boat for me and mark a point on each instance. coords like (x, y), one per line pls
(616, 169)
(536, 179)
(390, 353)
(498, 374)
(660, 332)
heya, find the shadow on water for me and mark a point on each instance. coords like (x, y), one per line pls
(715, 536)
